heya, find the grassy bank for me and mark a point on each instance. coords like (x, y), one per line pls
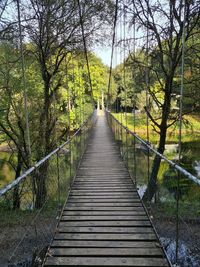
(190, 127)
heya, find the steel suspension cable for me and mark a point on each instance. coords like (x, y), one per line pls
(124, 59)
(124, 75)
(134, 96)
(112, 52)
(180, 131)
(24, 82)
(120, 50)
(147, 94)
(85, 47)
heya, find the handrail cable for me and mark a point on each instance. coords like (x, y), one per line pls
(40, 162)
(112, 52)
(171, 163)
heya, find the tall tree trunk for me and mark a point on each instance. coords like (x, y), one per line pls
(152, 183)
(44, 148)
(40, 185)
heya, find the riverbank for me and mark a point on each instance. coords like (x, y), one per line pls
(188, 240)
(190, 127)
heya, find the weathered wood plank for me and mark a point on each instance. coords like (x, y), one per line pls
(88, 190)
(106, 200)
(104, 204)
(106, 223)
(83, 208)
(104, 196)
(106, 252)
(104, 213)
(106, 261)
(105, 236)
(104, 218)
(104, 244)
(118, 193)
(95, 188)
(104, 229)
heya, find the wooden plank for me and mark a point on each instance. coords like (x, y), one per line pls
(106, 261)
(106, 223)
(103, 229)
(101, 180)
(103, 213)
(105, 200)
(104, 244)
(106, 190)
(104, 218)
(104, 196)
(108, 184)
(104, 204)
(105, 236)
(145, 252)
(102, 187)
(104, 193)
(82, 208)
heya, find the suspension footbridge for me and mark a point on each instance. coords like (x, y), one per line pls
(104, 222)
(91, 212)
(87, 190)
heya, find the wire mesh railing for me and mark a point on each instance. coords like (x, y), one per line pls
(174, 208)
(31, 205)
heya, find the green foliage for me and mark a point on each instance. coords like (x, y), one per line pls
(72, 101)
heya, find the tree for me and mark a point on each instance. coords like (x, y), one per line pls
(179, 18)
(53, 34)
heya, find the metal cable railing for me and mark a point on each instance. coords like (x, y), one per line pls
(31, 205)
(175, 207)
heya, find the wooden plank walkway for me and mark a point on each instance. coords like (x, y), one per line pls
(104, 222)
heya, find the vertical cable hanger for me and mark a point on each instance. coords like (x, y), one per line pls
(112, 53)
(124, 74)
(74, 83)
(147, 93)
(180, 129)
(120, 50)
(182, 85)
(134, 96)
(24, 83)
(85, 47)
(80, 91)
(124, 60)
(120, 86)
(69, 113)
(133, 74)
